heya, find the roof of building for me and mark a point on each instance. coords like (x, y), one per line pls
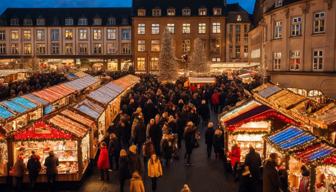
(57, 16)
(284, 3)
(236, 14)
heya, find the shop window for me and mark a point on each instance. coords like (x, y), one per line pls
(112, 65)
(315, 93)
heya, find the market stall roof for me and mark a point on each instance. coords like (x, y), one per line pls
(290, 138)
(89, 108)
(4, 73)
(54, 93)
(24, 102)
(251, 104)
(127, 81)
(36, 99)
(286, 99)
(81, 74)
(82, 83)
(40, 131)
(15, 107)
(327, 115)
(115, 87)
(78, 117)
(69, 125)
(104, 95)
(202, 80)
(331, 160)
(5, 114)
(315, 152)
(269, 91)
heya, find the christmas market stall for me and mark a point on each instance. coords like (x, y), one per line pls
(11, 75)
(3, 158)
(71, 146)
(83, 84)
(126, 82)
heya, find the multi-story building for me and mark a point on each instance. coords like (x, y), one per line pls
(94, 35)
(298, 44)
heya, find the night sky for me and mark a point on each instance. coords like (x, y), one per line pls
(247, 4)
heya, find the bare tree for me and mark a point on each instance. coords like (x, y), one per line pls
(167, 62)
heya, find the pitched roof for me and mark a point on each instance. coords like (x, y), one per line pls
(232, 11)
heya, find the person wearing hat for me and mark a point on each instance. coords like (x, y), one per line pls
(134, 160)
(124, 172)
(271, 178)
(137, 184)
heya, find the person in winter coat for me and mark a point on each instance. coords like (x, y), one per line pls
(136, 184)
(245, 180)
(34, 168)
(154, 170)
(20, 169)
(235, 158)
(124, 172)
(140, 133)
(103, 163)
(209, 138)
(189, 137)
(113, 151)
(253, 161)
(204, 112)
(283, 174)
(304, 182)
(51, 162)
(215, 101)
(166, 148)
(218, 143)
(147, 150)
(134, 160)
(271, 179)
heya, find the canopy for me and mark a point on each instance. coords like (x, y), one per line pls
(35, 99)
(5, 114)
(103, 95)
(81, 83)
(195, 80)
(126, 81)
(40, 131)
(90, 108)
(24, 102)
(54, 93)
(69, 125)
(269, 91)
(315, 153)
(14, 106)
(77, 117)
(239, 110)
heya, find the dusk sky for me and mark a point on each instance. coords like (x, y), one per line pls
(247, 4)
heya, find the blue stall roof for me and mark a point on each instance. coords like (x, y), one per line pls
(269, 91)
(4, 113)
(36, 99)
(14, 106)
(103, 95)
(24, 102)
(82, 83)
(90, 108)
(115, 87)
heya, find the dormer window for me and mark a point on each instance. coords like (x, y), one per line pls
(40, 21)
(141, 12)
(239, 18)
(186, 12)
(111, 21)
(69, 21)
(83, 21)
(27, 21)
(156, 12)
(124, 21)
(202, 11)
(55, 21)
(278, 3)
(97, 21)
(171, 12)
(14, 21)
(217, 11)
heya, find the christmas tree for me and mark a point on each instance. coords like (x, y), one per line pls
(167, 62)
(199, 61)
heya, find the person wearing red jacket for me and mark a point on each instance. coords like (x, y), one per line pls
(235, 158)
(103, 163)
(215, 99)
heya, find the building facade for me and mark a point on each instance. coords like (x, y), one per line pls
(298, 44)
(68, 35)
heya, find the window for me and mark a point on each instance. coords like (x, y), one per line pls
(97, 34)
(238, 51)
(245, 51)
(171, 12)
(154, 64)
(141, 28)
(295, 60)
(68, 34)
(278, 3)
(171, 28)
(54, 35)
(40, 49)
(2, 35)
(40, 21)
(186, 28)
(237, 33)
(82, 21)
(296, 26)
(156, 12)
(186, 45)
(141, 12)
(26, 35)
(239, 18)
(155, 45)
(14, 21)
(55, 49)
(55, 21)
(83, 48)
(319, 22)
(83, 34)
(186, 12)
(112, 48)
(27, 48)
(111, 34)
(276, 60)
(277, 29)
(69, 21)
(27, 22)
(14, 49)
(201, 28)
(97, 48)
(216, 59)
(14, 35)
(97, 21)
(2, 48)
(216, 27)
(125, 48)
(125, 34)
(111, 21)
(217, 11)
(202, 11)
(68, 48)
(40, 35)
(141, 45)
(141, 64)
(155, 28)
(318, 59)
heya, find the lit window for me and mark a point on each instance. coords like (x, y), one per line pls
(27, 49)
(155, 45)
(186, 45)
(141, 45)
(217, 11)
(171, 28)
(216, 59)
(27, 35)
(14, 35)
(295, 60)
(141, 28)
(97, 21)
(216, 27)
(14, 49)
(69, 21)
(111, 34)
(318, 59)
(83, 48)
(97, 34)
(68, 48)
(40, 21)
(278, 3)
(171, 12)
(2, 35)
(27, 22)
(296, 26)
(155, 28)
(125, 48)
(54, 35)
(111, 21)
(186, 28)
(112, 48)
(277, 29)
(276, 60)
(40, 49)
(319, 22)
(202, 11)
(156, 12)
(201, 28)
(55, 49)
(82, 21)
(2, 48)
(68, 34)
(186, 12)
(97, 48)
(140, 66)
(83, 34)
(40, 35)
(154, 64)
(141, 12)
(125, 34)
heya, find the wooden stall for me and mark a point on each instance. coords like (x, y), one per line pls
(3, 158)
(83, 84)
(11, 75)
